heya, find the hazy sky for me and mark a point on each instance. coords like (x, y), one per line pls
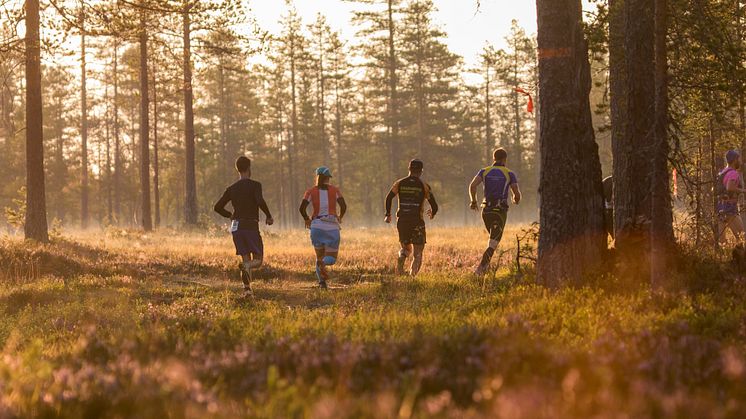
(468, 29)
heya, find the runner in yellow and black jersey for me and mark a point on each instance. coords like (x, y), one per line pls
(412, 192)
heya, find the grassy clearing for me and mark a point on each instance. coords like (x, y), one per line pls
(127, 325)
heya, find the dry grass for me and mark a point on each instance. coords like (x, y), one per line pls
(122, 324)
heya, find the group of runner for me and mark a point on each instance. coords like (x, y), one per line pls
(728, 187)
(329, 209)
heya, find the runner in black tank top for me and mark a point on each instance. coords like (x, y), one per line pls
(412, 193)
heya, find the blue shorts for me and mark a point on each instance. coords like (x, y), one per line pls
(727, 208)
(325, 239)
(248, 242)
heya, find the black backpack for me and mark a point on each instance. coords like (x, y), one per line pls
(721, 191)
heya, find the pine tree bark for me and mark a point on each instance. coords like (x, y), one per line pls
(517, 152)
(393, 113)
(572, 240)
(117, 142)
(225, 154)
(321, 99)
(147, 221)
(59, 177)
(338, 127)
(739, 83)
(293, 117)
(35, 227)
(634, 152)
(190, 196)
(489, 142)
(107, 169)
(662, 236)
(617, 87)
(84, 212)
(156, 168)
(714, 167)
(419, 93)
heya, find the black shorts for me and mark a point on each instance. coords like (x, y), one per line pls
(248, 242)
(494, 221)
(411, 231)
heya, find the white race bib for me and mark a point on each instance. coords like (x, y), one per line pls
(234, 226)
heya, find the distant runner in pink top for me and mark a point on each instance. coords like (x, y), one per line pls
(728, 187)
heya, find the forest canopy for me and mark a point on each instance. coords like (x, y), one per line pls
(291, 101)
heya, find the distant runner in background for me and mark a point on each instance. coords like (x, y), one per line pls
(246, 198)
(728, 187)
(324, 222)
(412, 192)
(609, 206)
(497, 180)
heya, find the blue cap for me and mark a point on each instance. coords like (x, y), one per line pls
(732, 155)
(323, 170)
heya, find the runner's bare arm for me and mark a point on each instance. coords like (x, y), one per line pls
(473, 191)
(389, 201)
(220, 205)
(516, 193)
(433, 205)
(342, 207)
(303, 205)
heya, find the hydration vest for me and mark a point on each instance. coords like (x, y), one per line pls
(721, 189)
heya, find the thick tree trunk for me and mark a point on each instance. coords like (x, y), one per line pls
(190, 196)
(633, 156)
(662, 237)
(35, 227)
(84, 213)
(572, 239)
(147, 222)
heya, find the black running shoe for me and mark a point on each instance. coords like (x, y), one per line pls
(245, 276)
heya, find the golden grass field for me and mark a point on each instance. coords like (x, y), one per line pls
(118, 323)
